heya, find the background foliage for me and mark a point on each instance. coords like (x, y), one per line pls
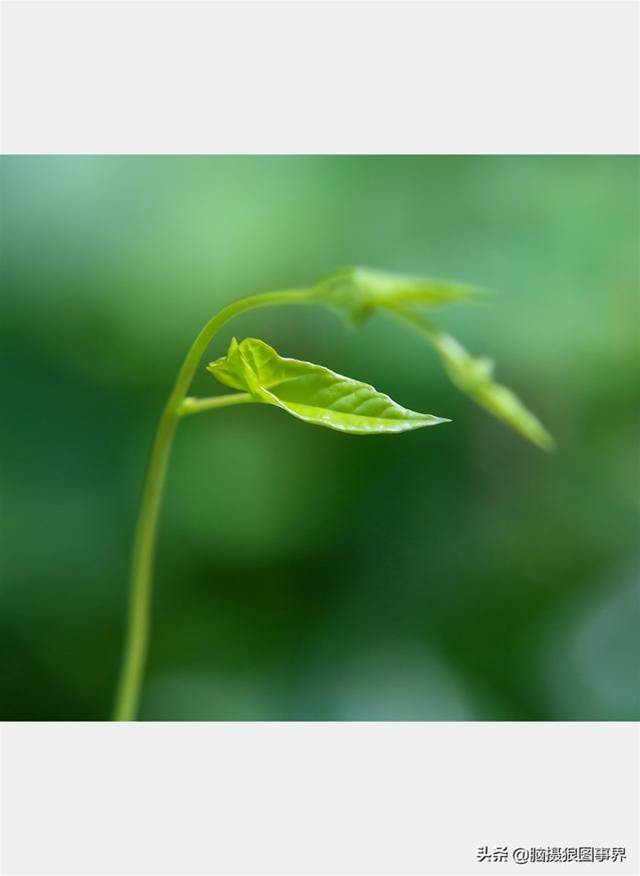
(449, 573)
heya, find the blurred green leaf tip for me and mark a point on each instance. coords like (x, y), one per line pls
(313, 393)
(357, 292)
(474, 376)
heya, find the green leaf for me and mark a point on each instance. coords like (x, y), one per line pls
(474, 376)
(356, 292)
(313, 393)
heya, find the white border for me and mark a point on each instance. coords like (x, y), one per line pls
(320, 77)
(313, 798)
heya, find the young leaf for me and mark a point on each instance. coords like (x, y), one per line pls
(358, 291)
(313, 393)
(474, 376)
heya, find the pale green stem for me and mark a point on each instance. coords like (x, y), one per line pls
(444, 343)
(141, 580)
(198, 405)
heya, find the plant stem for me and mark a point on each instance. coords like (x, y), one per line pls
(141, 580)
(136, 644)
(198, 405)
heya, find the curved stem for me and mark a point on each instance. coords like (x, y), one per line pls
(141, 580)
(137, 637)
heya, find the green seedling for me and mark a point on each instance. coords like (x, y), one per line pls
(312, 394)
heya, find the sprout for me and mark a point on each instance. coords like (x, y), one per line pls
(311, 393)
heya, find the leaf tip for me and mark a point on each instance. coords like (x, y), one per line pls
(545, 441)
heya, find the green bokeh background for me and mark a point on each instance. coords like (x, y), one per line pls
(450, 573)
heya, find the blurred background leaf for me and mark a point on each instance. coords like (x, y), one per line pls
(452, 573)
